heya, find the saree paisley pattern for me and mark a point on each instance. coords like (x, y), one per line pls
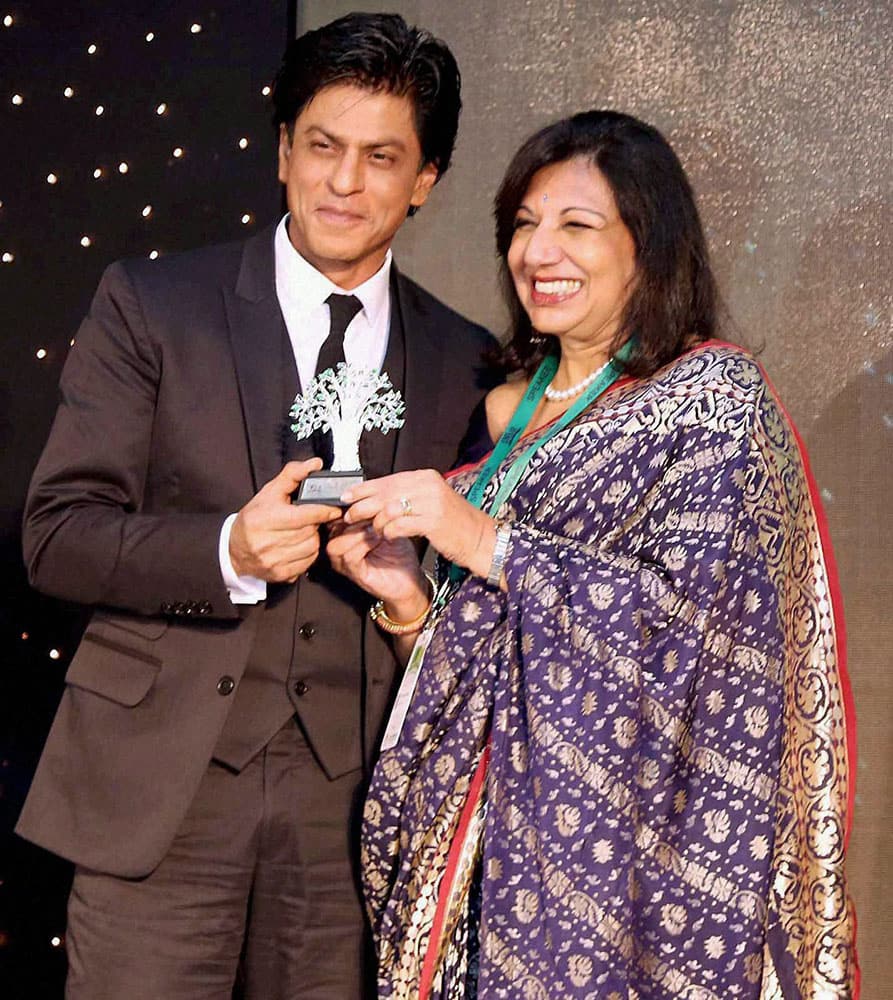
(664, 694)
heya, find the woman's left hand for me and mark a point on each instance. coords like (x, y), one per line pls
(421, 503)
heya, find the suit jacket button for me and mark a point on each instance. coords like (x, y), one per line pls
(205, 608)
(189, 608)
(226, 685)
(301, 688)
(166, 607)
(307, 631)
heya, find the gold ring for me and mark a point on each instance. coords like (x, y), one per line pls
(405, 507)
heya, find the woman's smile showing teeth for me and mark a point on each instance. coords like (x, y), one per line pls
(554, 289)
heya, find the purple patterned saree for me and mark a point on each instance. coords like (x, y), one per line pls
(666, 801)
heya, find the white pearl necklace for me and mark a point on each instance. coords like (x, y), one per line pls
(557, 395)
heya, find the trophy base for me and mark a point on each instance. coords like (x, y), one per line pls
(326, 487)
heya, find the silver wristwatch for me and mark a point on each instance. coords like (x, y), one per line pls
(500, 550)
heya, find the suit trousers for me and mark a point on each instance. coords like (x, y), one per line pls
(263, 869)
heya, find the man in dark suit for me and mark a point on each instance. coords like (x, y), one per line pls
(210, 752)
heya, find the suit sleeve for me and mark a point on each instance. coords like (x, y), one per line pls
(87, 537)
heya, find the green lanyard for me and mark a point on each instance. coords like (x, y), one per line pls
(520, 419)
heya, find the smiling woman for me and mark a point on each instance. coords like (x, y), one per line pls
(573, 263)
(602, 777)
(635, 189)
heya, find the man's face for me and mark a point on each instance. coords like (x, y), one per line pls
(351, 171)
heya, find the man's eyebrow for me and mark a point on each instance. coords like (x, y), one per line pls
(394, 142)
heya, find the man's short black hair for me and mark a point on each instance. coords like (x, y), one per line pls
(381, 53)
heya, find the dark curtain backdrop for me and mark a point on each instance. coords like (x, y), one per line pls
(184, 110)
(780, 111)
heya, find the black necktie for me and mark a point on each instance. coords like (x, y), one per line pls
(342, 309)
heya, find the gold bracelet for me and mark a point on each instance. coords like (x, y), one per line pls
(378, 615)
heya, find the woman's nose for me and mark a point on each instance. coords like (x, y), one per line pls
(542, 247)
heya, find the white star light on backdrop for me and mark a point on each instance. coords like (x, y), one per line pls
(128, 170)
(99, 110)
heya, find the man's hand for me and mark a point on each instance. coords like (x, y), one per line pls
(271, 538)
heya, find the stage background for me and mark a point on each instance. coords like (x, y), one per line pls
(780, 112)
(184, 110)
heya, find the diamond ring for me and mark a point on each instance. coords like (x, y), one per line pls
(406, 506)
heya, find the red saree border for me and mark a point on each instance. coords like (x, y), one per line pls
(446, 883)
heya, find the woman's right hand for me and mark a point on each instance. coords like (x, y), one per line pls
(388, 570)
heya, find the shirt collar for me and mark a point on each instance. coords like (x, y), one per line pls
(306, 288)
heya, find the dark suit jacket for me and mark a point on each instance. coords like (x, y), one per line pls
(168, 400)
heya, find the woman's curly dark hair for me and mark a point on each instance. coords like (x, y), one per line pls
(674, 302)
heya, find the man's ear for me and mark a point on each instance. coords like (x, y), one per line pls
(426, 179)
(284, 152)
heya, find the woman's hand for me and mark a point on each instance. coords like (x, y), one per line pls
(422, 504)
(388, 570)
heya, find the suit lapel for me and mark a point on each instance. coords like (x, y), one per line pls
(377, 450)
(256, 330)
(423, 379)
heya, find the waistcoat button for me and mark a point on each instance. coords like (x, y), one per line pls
(307, 630)
(226, 685)
(301, 688)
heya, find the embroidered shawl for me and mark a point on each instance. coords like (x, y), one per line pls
(666, 804)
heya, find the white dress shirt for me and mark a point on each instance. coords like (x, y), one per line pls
(302, 292)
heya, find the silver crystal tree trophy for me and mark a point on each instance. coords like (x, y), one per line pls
(346, 402)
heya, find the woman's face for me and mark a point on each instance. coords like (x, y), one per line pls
(572, 259)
